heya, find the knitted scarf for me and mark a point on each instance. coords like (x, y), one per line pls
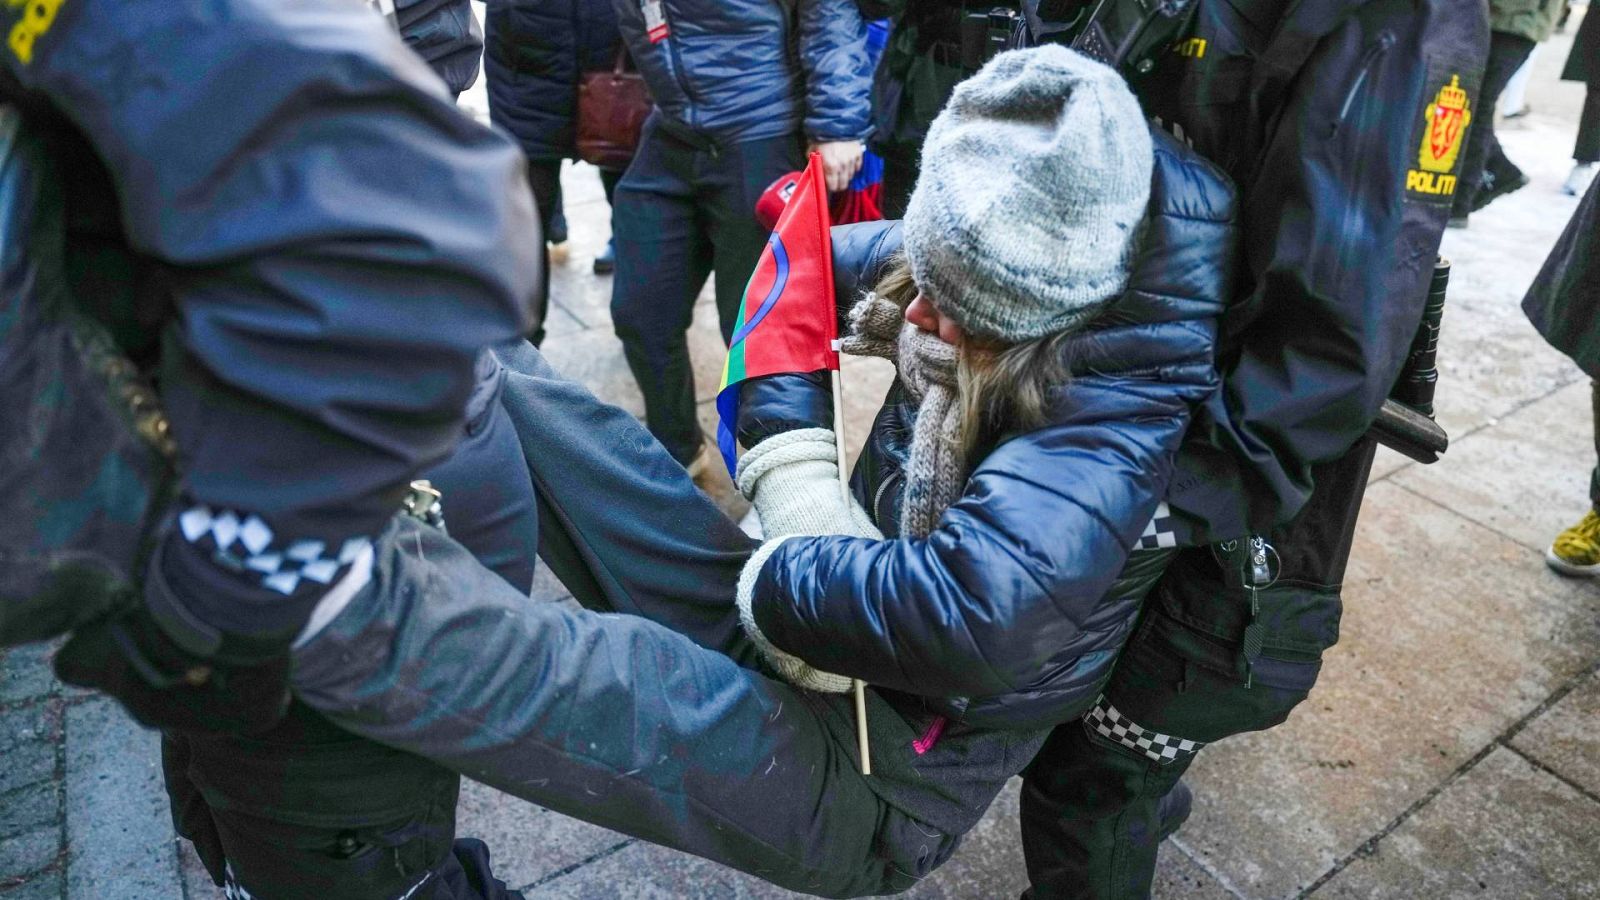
(937, 468)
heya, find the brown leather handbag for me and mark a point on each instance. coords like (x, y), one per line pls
(612, 107)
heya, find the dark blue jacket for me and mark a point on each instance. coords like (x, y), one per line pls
(1321, 115)
(323, 242)
(535, 53)
(748, 69)
(1015, 600)
(446, 34)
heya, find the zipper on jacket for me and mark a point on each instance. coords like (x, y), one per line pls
(877, 498)
(1379, 47)
(675, 62)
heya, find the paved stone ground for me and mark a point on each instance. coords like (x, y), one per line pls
(1451, 750)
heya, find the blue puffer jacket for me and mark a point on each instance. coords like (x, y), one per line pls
(748, 69)
(446, 34)
(534, 54)
(1015, 600)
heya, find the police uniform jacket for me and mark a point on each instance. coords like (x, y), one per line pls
(227, 172)
(1014, 601)
(1342, 123)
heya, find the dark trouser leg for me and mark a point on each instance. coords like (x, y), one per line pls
(609, 718)
(1507, 52)
(489, 507)
(608, 183)
(276, 807)
(1587, 149)
(733, 178)
(1594, 476)
(663, 258)
(621, 524)
(1089, 802)
(310, 811)
(545, 180)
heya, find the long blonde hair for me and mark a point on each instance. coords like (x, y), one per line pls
(1000, 388)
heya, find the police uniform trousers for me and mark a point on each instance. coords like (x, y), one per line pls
(1185, 679)
(310, 810)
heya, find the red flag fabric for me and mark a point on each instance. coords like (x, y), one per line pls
(787, 321)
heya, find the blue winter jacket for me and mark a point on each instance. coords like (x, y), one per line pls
(1015, 601)
(748, 69)
(535, 53)
(317, 242)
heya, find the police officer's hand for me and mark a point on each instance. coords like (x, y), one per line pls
(128, 656)
(841, 160)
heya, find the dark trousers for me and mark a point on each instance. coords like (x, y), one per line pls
(1484, 159)
(1594, 476)
(309, 810)
(1587, 149)
(544, 177)
(1089, 803)
(685, 208)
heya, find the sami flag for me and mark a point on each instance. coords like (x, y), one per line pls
(787, 321)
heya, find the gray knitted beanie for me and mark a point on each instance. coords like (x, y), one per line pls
(1034, 181)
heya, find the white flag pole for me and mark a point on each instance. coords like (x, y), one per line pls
(844, 492)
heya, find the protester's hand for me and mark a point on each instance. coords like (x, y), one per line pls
(792, 479)
(163, 685)
(841, 160)
(789, 667)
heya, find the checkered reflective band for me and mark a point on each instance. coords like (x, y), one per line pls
(244, 543)
(1105, 721)
(1158, 534)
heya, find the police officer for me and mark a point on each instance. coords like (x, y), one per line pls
(934, 46)
(203, 199)
(1342, 124)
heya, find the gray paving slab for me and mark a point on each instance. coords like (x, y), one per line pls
(28, 763)
(47, 885)
(26, 853)
(25, 672)
(1451, 634)
(1526, 476)
(1566, 737)
(119, 832)
(527, 843)
(30, 808)
(1505, 830)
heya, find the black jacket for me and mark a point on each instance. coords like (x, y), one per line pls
(535, 53)
(1583, 63)
(1564, 301)
(1322, 117)
(1015, 599)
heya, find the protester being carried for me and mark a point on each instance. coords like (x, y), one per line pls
(622, 722)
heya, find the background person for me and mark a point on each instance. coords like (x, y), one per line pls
(1487, 174)
(742, 88)
(1563, 303)
(1583, 64)
(537, 51)
(1312, 344)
